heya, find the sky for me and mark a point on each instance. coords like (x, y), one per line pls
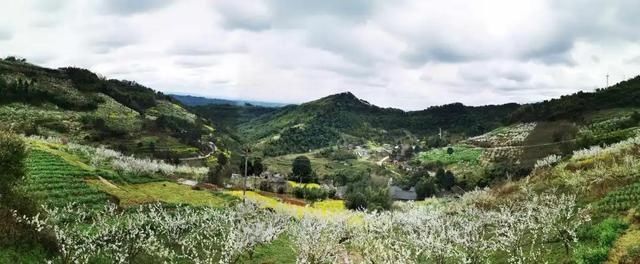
(408, 54)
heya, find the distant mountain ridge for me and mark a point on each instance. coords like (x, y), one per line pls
(191, 100)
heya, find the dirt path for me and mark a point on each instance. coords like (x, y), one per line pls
(108, 183)
(213, 149)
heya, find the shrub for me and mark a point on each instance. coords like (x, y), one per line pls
(12, 155)
(605, 234)
(310, 194)
(591, 255)
(425, 188)
(356, 201)
(360, 196)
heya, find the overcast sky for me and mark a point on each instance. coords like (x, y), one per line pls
(408, 54)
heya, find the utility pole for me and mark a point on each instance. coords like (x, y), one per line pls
(607, 81)
(440, 133)
(244, 181)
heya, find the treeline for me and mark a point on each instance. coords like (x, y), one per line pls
(32, 92)
(299, 139)
(574, 106)
(128, 93)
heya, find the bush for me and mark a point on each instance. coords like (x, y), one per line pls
(426, 187)
(360, 197)
(12, 155)
(591, 255)
(605, 234)
(310, 194)
(331, 193)
(356, 201)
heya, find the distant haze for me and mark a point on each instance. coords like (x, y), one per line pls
(408, 54)
(198, 100)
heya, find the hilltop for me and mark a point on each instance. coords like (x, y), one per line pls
(345, 119)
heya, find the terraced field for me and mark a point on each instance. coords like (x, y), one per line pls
(55, 182)
(621, 200)
(513, 135)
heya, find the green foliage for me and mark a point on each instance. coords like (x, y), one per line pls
(449, 150)
(503, 170)
(12, 169)
(365, 196)
(603, 235)
(344, 177)
(301, 170)
(299, 139)
(54, 181)
(445, 179)
(459, 153)
(343, 118)
(620, 200)
(591, 255)
(310, 194)
(575, 106)
(426, 187)
(32, 92)
(337, 154)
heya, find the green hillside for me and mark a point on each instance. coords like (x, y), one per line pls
(345, 119)
(79, 105)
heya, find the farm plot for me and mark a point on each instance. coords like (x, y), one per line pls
(513, 135)
(461, 153)
(55, 182)
(165, 192)
(620, 200)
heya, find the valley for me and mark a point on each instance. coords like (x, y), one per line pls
(98, 170)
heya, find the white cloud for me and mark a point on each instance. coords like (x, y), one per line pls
(409, 54)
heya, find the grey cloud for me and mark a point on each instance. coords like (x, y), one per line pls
(128, 7)
(108, 45)
(555, 51)
(516, 76)
(112, 40)
(437, 53)
(634, 60)
(194, 62)
(352, 9)
(251, 24)
(191, 49)
(5, 34)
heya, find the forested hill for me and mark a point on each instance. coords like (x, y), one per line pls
(78, 104)
(575, 106)
(344, 118)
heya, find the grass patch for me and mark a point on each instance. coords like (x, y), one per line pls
(278, 251)
(461, 153)
(166, 192)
